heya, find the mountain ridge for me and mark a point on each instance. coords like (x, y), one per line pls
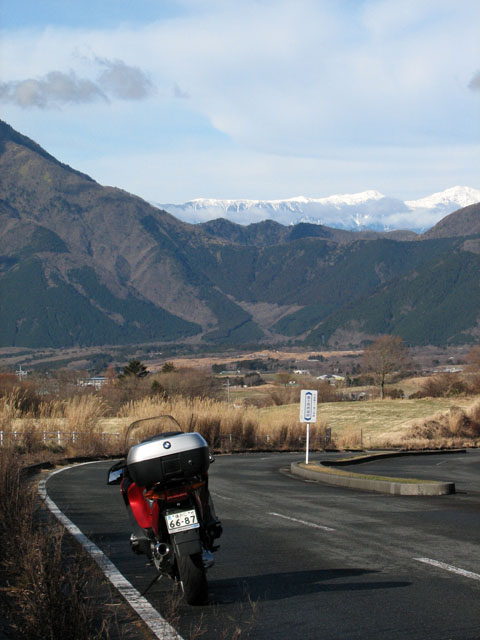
(83, 264)
(367, 210)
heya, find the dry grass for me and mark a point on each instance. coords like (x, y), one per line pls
(370, 423)
(46, 593)
(456, 427)
(226, 426)
(78, 418)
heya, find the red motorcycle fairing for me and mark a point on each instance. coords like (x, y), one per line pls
(140, 507)
(155, 518)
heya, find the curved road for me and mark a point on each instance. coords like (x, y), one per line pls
(305, 560)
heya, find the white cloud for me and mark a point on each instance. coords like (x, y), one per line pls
(53, 89)
(175, 176)
(123, 81)
(117, 80)
(312, 93)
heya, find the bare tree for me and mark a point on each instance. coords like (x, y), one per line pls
(473, 359)
(473, 369)
(385, 356)
(283, 377)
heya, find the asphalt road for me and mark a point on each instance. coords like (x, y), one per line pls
(305, 560)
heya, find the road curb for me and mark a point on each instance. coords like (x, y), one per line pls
(394, 486)
(368, 457)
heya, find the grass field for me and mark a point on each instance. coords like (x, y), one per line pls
(373, 420)
(367, 423)
(241, 423)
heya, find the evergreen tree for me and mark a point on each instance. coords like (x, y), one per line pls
(134, 369)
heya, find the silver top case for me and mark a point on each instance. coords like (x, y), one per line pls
(165, 447)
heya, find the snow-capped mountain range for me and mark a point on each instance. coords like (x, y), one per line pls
(357, 211)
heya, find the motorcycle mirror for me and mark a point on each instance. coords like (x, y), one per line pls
(211, 458)
(115, 474)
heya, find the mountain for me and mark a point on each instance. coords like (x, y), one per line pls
(268, 232)
(83, 264)
(465, 222)
(86, 264)
(367, 210)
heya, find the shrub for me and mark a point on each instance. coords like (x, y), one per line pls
(189, 384)
(442, 385)
(50, 588)
(451, 428)
(394, 394)
(284, 395)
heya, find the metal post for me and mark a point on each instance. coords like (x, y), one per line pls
(308, 443)
(59, 438)
(1, 438)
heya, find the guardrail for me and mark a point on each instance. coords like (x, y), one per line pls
(59, 437)
(224, 442)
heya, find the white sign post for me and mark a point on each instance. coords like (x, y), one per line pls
(308, 413)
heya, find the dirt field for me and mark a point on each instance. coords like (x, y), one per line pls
(206, 362)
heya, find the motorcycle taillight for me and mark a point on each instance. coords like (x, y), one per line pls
(175, 494)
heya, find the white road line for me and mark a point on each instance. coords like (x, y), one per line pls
(219, 495)
(450, 567)
(152, 618)
(307, 524)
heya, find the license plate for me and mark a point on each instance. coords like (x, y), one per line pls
(182, 521)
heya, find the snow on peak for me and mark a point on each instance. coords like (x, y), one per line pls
(348, 199)
(461, 196)
(364, 210)
(351, 199)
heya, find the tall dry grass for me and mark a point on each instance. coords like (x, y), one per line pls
(78, 419)
(10, 408)
(224, 426)
(454, 428)
(50, 590)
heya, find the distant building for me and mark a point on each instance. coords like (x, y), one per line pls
(96, 381)
(301, 372)
(331, 378)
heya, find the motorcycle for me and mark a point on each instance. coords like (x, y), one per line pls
(164, 484)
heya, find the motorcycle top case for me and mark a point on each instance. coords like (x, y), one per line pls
(167, 457)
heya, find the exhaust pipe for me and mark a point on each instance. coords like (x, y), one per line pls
(162, 549)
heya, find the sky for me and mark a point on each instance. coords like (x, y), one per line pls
(262, 99)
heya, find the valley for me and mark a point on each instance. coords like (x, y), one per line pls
(83, 266)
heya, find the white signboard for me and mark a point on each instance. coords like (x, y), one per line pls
(308, 406)
(308, 413)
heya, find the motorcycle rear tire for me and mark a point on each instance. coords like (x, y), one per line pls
(193, 578)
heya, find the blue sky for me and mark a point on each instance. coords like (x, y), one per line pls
(179, 99)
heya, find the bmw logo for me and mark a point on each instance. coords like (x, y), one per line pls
(167, 445)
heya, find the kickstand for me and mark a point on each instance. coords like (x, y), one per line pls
(156, 578)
